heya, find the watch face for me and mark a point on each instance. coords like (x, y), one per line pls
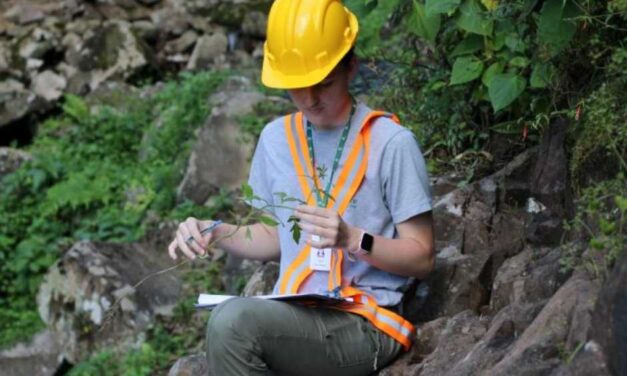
(366, 242)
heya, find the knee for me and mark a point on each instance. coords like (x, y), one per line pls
(233, 316)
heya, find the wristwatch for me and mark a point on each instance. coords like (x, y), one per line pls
(365, 244)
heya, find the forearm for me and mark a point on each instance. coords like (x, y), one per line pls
(262, 244)
(406, 257)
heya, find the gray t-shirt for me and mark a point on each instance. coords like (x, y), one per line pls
(395, 188)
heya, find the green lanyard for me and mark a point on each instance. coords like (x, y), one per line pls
(323, 198)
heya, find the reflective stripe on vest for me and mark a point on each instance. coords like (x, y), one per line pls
(346, 186)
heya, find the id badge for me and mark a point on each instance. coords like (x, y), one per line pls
(320, 258)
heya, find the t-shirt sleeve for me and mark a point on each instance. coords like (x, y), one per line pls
(258, 179)
(404, 177)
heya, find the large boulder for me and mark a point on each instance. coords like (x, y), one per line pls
(477, 228)
(92, 297)
(221, 144)
(113, 51)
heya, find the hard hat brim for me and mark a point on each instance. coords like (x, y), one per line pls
(273, 78)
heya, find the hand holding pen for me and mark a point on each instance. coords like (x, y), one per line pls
(192, 238)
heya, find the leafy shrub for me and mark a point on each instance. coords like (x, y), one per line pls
(97, 174)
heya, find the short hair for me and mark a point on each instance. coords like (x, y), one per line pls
(346, 59)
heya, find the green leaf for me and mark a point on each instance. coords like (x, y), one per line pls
(247, 192)
(514, 43)
(76, 108)
(465, 69)
(424, 26)
(555, 30)
(492, 70)
(519, 62)
(504, 88)
(269, 221)
(621, 202)
(473, 19)
(295, 229)
(433, 7)
(469, 45)
(542, 75)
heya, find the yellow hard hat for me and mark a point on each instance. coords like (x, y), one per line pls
(306, 39)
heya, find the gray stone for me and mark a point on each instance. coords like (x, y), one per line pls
(41, 356)
(146, 30)
(193, 365)
(220, 142)
(531, 276)
(537, 351)
(11, 159)
(611, 313)
(123, 55)
(170, 21)
(49, 85)
(24, 13)
(89, 312)
(263, 280)
(182, 43)
(476, 229)
(255, 24)
(207, 51)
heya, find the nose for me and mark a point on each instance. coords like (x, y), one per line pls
(309, 96)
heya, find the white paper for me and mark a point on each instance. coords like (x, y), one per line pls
(210, 301)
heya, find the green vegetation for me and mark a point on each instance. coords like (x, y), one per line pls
(476, 80)
(98, 173)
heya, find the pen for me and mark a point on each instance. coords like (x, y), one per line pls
(205, 231)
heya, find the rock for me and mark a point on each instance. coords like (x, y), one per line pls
(531, 276)
(589, 361)
(193, 365)
(477, 228)
(170, 21)
(227, 12)
(504, 329)
(41, 356)
(24, 13)
(11, 159)
(549, 180)
(537, 351)
(37, 44)
(114, 52)
(207, 51)
(146, 30)
(181, 44)
(236, 273)
(255, 24)
(220, 142)
(78, 297)
(263, 280)
(550, 187)
(427, 339)
(611, 315)
(49, 85)
(459, 334)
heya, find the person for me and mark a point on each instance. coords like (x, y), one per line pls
(366, 218)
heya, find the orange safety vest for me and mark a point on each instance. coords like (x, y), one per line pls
(346, 186)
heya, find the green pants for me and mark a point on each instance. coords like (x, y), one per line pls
(248, 336)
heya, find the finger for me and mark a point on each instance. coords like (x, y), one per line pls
(190, 241)
(316, 230)
(192, 226)
(314, 219)
(172, 250)
(313, 210)
(183, 246)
